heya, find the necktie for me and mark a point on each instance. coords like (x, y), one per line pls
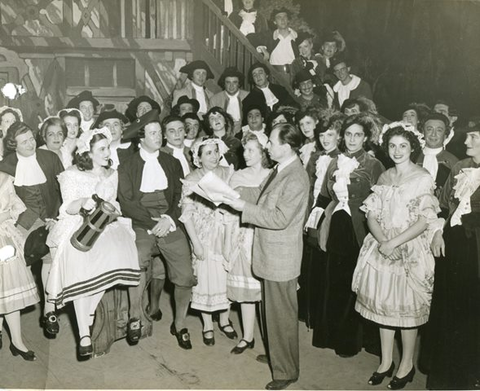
(272, 176)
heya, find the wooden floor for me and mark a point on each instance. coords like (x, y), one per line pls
(158, 363)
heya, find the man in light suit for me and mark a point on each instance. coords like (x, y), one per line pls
(279, 217)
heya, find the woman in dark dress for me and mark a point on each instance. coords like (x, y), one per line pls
(348, 181)
(455, 311)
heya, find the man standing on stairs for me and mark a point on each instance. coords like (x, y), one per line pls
(198, 73)
(280, 47)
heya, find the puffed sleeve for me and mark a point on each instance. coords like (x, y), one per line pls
(68, 187)
(15, 204)
(373, 203)
(186, 201)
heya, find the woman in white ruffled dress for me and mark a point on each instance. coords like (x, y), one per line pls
(17, 287)
(205, 225)
(394, 275)
(83, 276)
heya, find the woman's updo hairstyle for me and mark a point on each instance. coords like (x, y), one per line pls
(52, 121)
(266, 162)
(84, 161)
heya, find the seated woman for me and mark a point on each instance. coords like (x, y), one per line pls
(83, 276)
(205, 225)
(393, 278)
(219, 123)
(35, 172)
(242, 286)
(53, 133)
(306, 121)
(17, 287)
(73, 121)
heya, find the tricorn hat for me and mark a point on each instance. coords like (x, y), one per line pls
(301, 76)
(83, 96)
(197, 64)
(185, 99)
(281, 10)
(108, 115)
(131, 111)
(135, 129)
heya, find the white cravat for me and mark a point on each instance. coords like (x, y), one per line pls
(430, 162)
(248, 20)
(28, 172)
(188, 142)
(344, 90)
(153, 176)
(306, 151)
(283, 53)
(270, 99)
(233, 106)
(202, 99)
(180, 155)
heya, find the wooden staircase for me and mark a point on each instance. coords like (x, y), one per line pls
(218, 42)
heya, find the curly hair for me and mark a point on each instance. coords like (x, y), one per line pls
(409, 136)
(52, 121)
(228, 120)
(363, 120)
(334, 122)
(84, 161)
(16, 129)
(266, 161)
(72, 113)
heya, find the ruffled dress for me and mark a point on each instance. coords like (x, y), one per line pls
(210, 293)
(242, 286)
(113, 258)
(17, 286)
(397, 291)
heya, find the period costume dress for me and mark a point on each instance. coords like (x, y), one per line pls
(348, 182)
(242, 286)
(210, 294)
(454, 325)
(17, 287)
(311, 294)
(113, 258)
(397, 292)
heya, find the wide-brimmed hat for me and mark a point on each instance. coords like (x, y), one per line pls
(302, 36)
(231, 72)
(135, 129)
(108, 114)
(83, 96)
(131, 111)
(301, 76)
(197, 64)
(185, 99)
(281, 10)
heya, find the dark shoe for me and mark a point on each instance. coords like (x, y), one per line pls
(28, 356)
(84, 351)
(183, 337)
(240, 349)
(50, 323)
(134, 330)
(345, 355)
(262, 358)
(377, 377)
(230, 334)
(208, 341)
(157, 316)
(399, 383)
(279, 384)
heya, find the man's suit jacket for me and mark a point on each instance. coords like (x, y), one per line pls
(279, 218)
(221, 100)
(129, 180)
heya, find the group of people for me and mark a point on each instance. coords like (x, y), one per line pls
(375, 221)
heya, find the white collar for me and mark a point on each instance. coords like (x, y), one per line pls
(198, 88)
(175, 148)
(28, 171)
(291, 35)
(286, 163)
